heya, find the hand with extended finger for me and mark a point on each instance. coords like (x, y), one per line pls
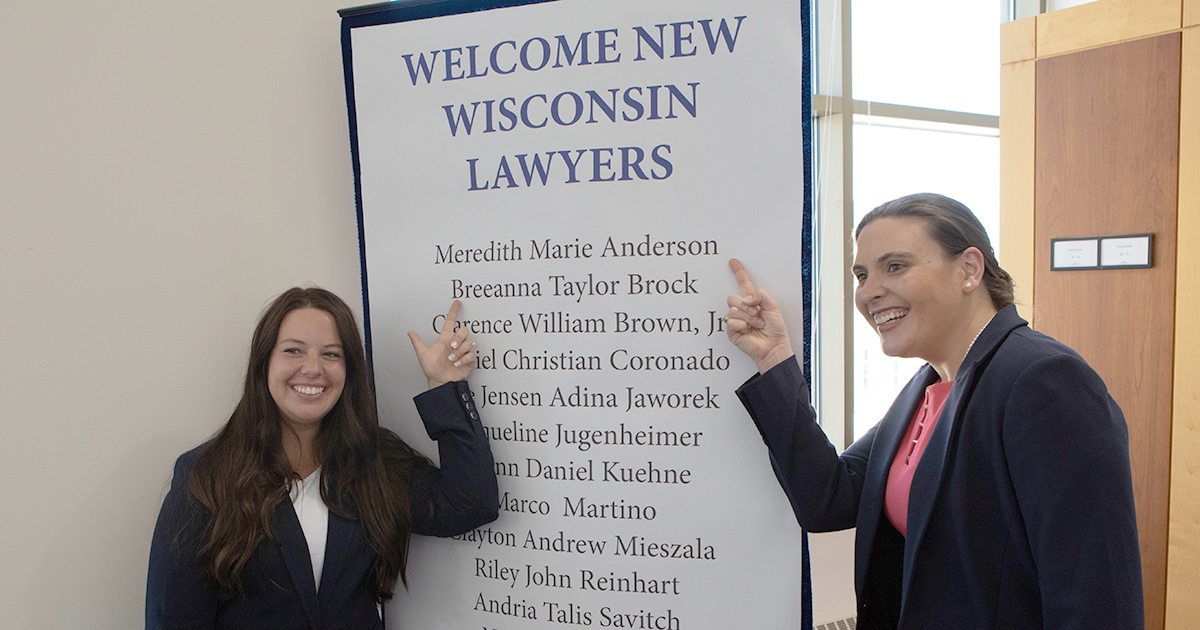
(450, 357)
(755, 324)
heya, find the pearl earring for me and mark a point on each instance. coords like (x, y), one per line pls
(968, 285)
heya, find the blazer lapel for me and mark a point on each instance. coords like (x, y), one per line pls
(931, 470)
(939, 453)
(337, 549)
(294, 548)
(889, 434)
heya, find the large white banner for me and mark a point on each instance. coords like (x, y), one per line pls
(578, 173)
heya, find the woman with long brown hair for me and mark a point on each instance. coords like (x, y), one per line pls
(298, 513)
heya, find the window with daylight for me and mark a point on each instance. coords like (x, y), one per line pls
(908, 99)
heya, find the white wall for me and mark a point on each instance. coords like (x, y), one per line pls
(832, 556)
(165, 169)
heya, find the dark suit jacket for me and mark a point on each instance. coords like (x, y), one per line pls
(1021, 512)
(280, 592)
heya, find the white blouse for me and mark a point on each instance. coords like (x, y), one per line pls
(314, 519)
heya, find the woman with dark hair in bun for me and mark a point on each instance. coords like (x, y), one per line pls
(996, 492)
(298, 513)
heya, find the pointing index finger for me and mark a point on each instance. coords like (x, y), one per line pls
(451, 317)
(745, 284)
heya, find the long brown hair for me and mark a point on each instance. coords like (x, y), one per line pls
(955, 228)
(243, 475)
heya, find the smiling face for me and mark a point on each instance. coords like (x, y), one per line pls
(307, 370)
(910, 291)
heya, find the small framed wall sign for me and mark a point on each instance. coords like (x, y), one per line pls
(1130, 251)
(1123, 251)
(1074, 253)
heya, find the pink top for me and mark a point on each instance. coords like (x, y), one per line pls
(895, 504)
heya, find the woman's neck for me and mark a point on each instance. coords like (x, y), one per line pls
(947, 369)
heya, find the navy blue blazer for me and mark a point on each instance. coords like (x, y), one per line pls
(280, 591)
(1021, 512)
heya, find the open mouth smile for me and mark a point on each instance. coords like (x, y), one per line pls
(890, 315)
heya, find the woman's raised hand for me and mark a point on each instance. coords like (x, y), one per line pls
(755, 324)
(450, 357)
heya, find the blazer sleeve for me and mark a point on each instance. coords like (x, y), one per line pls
(1067, 448)
(462, 494)
(177, 595)
(823, 488)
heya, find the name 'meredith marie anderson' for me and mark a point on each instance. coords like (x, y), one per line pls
(550, 249)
